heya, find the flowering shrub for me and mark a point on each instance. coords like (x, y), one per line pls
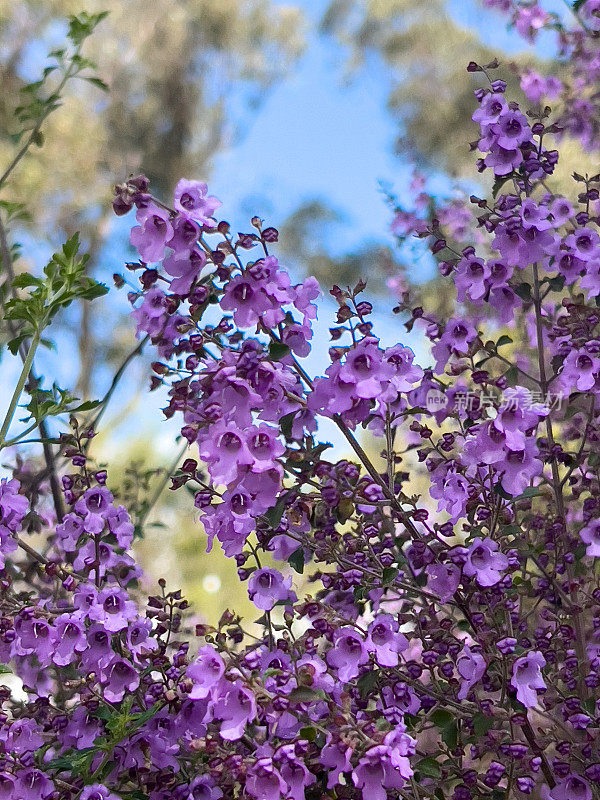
(444, 645)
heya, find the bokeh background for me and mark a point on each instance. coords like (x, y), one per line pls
(313, 115)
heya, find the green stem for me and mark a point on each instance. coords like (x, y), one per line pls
(161, 486)
(27, 364)
(38, 126)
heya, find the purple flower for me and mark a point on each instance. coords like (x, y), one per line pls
(443, 580)
(376, 773)
(138, 638)
(81, 729)
(485, 562)
(561, 210)
(7, 786)
(69, 531)
(34, 635)
(264, 446)
(580, 369)
(348, 653)
(151, 315)
(69, 637)
(236, 707)
(120, 525)
(590, 535)
(470, 666)
(519, 467)
(205, 672)
(527, 677)
(23, 736)
(471, 277)
(153, 232)
(13, 506)
(573, 787)
(203, 788)
(492, 105)
(449, 487)
(94, 507)
(99, 652)
(585, 243)
(267, 587)
(184, 268)
(32, 784)
(113, 609)
(121, 677)
(385, 640)
(294, 772)
(97, 791)
(364, 368)
(225, 451)
(264, 782)
(191, 201)
(335, 757)
(456, 339)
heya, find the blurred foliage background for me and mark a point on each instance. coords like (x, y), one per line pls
(187, 80)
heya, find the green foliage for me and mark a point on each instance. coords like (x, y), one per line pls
(39, 98)
(65, 281)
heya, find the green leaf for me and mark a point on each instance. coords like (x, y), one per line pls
(296, 560)
(5, 669)
(530, 491)
(523, 290)
(389, 575)
(277, 350)
(304, 694)
(503, 340)
(285, 423)
(502, 492)
(24, 280)
(428, 767)
(499, 183)
(450, 735)
(557, 283)
(441, 718)
(482, 724)
(366, 683)
(274, 515)
(98, 82)
(309, 733)
(512, 376)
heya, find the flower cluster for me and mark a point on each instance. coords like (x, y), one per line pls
(409, 642)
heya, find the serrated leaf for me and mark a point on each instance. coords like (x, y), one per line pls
(24, 280)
